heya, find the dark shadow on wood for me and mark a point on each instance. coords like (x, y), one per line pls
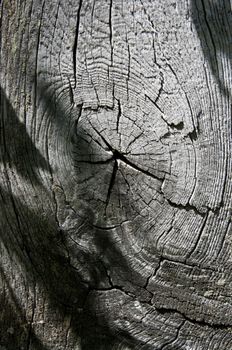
(50, 267)
(17, 149)
(213, 23)
(41, 247)
(14, 326)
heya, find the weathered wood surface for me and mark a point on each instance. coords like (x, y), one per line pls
(115, 190)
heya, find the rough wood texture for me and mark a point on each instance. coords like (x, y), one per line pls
(115, 192)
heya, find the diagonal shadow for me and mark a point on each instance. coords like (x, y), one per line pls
(17, 148)
(48, 262)
(213, 23)
(41, 247)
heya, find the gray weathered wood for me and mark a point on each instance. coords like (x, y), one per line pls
(115, 162)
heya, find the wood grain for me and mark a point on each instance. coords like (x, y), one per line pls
(115, 188)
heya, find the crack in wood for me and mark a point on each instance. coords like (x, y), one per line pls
(196, 233)
(172, 341)
(188, 256)
(36, 65)
(181, 262)
(116, 155)
(111, 33)
(112, 182)
(223, 326)
(118, 115)
(75, 43)
(186, 207)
